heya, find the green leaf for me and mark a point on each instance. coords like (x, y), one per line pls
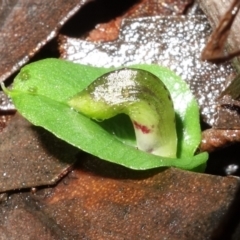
(186, 109)
(41, 91)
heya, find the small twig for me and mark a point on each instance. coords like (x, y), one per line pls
(214, 50)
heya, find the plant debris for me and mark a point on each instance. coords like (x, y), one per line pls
(26, 26)
(31, 156)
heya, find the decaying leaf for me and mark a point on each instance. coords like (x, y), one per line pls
(99, 200)
(229, 223)
(25, 26)
(31, 156)
(227, 113)
(214, 139)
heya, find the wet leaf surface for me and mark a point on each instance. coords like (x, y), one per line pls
(31, 156)
(99, 200)
(174, 42)
(26, 26)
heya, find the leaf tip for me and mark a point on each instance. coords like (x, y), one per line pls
(5, 90)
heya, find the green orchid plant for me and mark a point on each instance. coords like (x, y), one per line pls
(141, 117)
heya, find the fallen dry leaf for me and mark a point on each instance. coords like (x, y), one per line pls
(214, 139)
(31, 156)
(109, 31)
(100, 200)
(26, 26)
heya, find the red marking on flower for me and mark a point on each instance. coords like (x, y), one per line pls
(143, 128)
